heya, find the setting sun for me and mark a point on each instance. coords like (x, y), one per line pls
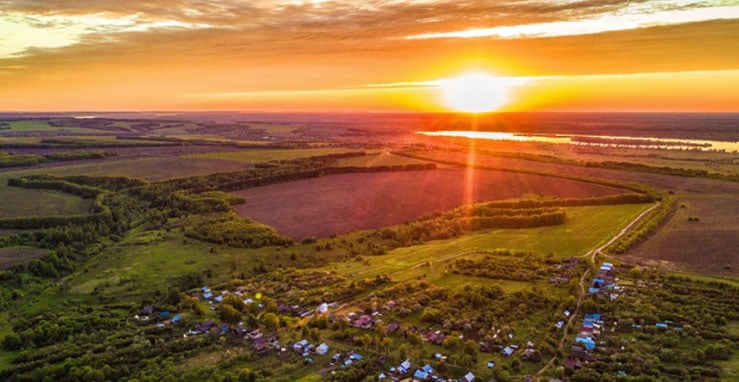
(474, 92)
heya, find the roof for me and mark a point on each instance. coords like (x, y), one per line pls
(420, 374)
(469, 377)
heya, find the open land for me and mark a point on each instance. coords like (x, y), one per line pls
(348, 202)
(162, 271)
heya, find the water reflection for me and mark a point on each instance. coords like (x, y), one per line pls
(594, 140)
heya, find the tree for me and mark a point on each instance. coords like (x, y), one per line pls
(403, 350)
(229, 314)
(386, 344)
(270, 320)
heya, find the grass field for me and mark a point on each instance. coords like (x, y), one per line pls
(10, 256)
(22, 202)
(146, 168)
(258, 156)
(586, 228)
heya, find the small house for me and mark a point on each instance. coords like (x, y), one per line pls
(322, 349)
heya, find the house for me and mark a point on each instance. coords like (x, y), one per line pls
(363, 322)
(586, 341)
(507, 351)
(148, 310)
(469, 377)
(298, 346)
(573, 363)
(392, 327)
(530, 355)
(559, 324)
(381, 376)
(254, 334)
(404, 367)
(420, 375)
(661, 325)
(355, 356)
(176, 319)
(491, 364)
(323, 308)
(205, 326)
(322, 349)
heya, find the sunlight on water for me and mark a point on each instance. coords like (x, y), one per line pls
(595, 140)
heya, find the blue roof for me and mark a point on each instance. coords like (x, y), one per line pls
(428, 368)
(593, 290)
(355, 356)
(588, 342)
(208, 295)
(587, 322)
(660, 325)
(592, 316)
(491, 365)
(420, 374)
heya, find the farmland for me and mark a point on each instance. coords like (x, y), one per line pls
(439, 252)
(343, 203)
(24, 203)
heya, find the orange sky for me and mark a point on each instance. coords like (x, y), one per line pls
(372, 55)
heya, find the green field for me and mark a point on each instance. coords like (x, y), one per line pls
(258, 156)
(146, 168)
(34, 125)
(21, 202)
(586, 228)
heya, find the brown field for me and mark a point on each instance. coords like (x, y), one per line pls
(18, 255)
(343, 203)
(708, 246)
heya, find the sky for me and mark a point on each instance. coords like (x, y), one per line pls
(369, 55)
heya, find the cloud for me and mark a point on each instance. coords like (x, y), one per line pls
(592, 25)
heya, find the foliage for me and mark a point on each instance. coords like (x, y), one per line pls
(233, 231)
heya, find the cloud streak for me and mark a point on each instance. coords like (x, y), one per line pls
(598, 24)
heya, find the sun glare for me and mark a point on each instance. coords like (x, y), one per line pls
(474, 92)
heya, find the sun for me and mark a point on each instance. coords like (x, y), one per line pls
(475, 92)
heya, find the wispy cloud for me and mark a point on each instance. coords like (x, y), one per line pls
(598, 24)
(23, 32)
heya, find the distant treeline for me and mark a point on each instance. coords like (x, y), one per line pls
(10, 160)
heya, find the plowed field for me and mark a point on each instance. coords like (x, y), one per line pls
(344, 203)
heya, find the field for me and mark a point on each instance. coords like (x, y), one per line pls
(682, 241)
(21, 202)
(347, 202)
(259, 156)
(585, 229)
(10, 256)
(144, 168)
